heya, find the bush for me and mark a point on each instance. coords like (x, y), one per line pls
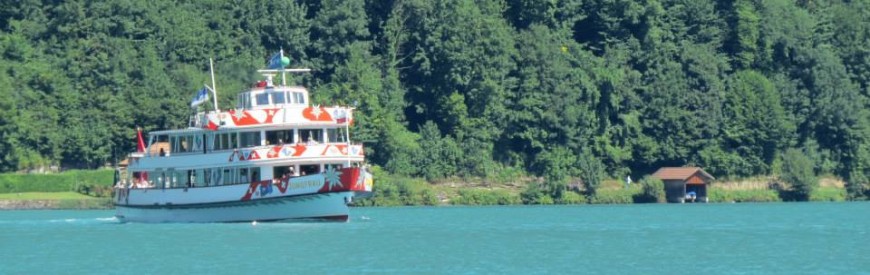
(855, 186)
(395, 190)
(591, 170)
(797, 170)
(620, 196)
(572, 198)
(653, 190)
(828, 194)
(754, 195)
(485, 197)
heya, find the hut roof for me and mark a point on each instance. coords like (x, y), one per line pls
(679, 173)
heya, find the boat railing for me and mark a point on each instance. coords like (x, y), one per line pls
(311, 144)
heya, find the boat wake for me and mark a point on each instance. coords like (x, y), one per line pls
(106, 220)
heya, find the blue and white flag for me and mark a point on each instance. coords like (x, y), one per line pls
(275, 61)
(200, 97)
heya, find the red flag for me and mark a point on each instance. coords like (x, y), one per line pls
(342, 116)
(140, 146)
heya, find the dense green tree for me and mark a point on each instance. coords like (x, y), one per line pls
(591, 172)
(754, 127)
(797, 171)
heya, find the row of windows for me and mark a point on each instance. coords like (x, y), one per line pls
(236, 140)
(271, 98)
(172, 178)
(177, 178)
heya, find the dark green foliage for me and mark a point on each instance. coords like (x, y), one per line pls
(653, 191)
(797, 170)
(755, 195)
(619, 196)
(856, 186)
(536, 194)
(485, 197)
(591, 172)
(390, 190)
(77, 180)
(560, 90)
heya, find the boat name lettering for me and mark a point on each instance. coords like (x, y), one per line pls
(305, 184)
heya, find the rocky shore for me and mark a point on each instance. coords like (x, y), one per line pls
(54, 204)
(28, 204)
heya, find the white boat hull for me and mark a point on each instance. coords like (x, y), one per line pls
(329, 206)
(319, 196)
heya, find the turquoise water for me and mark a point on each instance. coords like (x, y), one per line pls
(808, 238)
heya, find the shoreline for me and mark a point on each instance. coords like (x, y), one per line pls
(55, 204)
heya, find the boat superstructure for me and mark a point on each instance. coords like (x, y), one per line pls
(274, 156)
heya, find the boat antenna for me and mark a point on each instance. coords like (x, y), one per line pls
(347, 135)
(213, 86)
(283, 72)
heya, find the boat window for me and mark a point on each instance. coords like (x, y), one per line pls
(226, 141)
(277, 97)
(181, 144)
(255, 174)
(210, 141)
(298, 98)
(191, 178)
(243, 175)
(161, 179)
(173, 178)
(199, 177)
(310, 169)
(283, 171)
(198, 142)
(262, 99)
(222, 142)
(336, 135)
(174, 144)
(311, 136)
(279, 137)
(243, 102)
(206, 176)
(217, 177)
(249, 139)
(160, 142)
(336, 166)
(228, 176)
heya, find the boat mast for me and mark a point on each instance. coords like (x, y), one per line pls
(283, 73)
(213, 85)
(347, 134)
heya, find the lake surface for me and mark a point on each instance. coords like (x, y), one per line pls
(806, 238)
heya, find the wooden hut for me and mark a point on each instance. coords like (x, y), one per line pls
(684, 184)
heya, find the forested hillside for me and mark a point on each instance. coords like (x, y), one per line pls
(557, 89)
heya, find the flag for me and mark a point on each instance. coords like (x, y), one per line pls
(200, 97)
(140, 142)
(140, 147)
(341, 117)
(275, 61)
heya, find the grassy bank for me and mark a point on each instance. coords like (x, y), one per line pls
(74, 189)
(391, 190)
(52, 200)
(73, 180)
(828, 193)
(45, 196)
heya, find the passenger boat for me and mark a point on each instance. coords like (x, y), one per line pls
(273, 157)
